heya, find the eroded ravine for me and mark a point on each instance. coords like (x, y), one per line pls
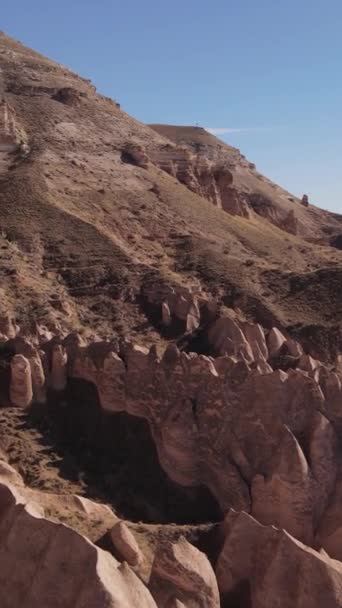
(71, 445)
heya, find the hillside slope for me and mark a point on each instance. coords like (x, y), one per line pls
(260, 194)
(90, 219)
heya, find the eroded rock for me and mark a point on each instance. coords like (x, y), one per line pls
(266, 567)
(181, 570)
(125, 543)
(94, 577)
(20, 392)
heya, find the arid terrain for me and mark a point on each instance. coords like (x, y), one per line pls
(170, 363)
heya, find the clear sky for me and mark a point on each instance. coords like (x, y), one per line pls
(267, 71)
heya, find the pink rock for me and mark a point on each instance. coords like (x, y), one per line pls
(21, 393)
(125, 543)
(48, 564)
(275, 341)
(226, 337)
(267, 567)
(9, 475)
(308, 364)
(181, 570)
(38, 379)
(256, 338)
(286, 498)
(59, 371)
(293, 348)
(175, 603)
(166, 314)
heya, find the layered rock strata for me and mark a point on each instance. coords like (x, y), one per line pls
(205, 177)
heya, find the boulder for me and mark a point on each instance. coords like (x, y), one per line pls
(293, 348)
(182, 572)
(47, 564)
(275, 341)
(308, 364)
(125, 543)
(227, 338)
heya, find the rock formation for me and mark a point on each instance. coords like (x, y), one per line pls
(266, 567)
(21, 390)
(182, 575)
(260, 440)
(48, 564)
(58, 376)
(204, 177)
(125, 543)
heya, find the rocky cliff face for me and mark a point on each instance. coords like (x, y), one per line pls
(262, 440)
(205, 177)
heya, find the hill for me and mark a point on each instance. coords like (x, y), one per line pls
(88, 218)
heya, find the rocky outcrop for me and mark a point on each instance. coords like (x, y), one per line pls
(68, 95)
(265, 567)
(124, 542)
(58, 376)
(275, 341)
(207, 178)
(259, 439)
(134, 154)
(181, 310)
(21, 389)
(182, 576)
(39, 383)
(227, 338)
(11, 134)
(295, 495)
(8, 327)
(48, 564)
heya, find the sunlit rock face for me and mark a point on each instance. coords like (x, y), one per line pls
(264, 566)
(183, 576)
(94, 578)
(259, 439)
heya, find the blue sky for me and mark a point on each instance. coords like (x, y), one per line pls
(269, 70)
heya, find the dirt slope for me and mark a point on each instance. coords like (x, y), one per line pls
(88, 218)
